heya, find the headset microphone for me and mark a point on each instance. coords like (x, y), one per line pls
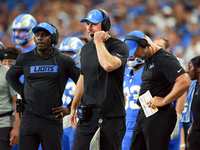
(92, 35)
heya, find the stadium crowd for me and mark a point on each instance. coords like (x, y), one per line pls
(177, 20)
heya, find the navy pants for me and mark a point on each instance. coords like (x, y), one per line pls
(5, 138)
(195, 140)
(153, 133)
(34, 130)
(112, 133)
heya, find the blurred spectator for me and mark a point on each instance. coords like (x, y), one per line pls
(8, 126)
(10, 56)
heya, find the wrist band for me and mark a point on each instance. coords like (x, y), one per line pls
(183, 146)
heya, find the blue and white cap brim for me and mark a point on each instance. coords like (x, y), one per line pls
(43, 26)
(94, 16)
(132, 44)
(90, 20)
(132, 47)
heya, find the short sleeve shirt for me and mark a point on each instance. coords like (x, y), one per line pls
(101, 88)
(160, 73)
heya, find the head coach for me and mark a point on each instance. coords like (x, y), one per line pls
(100, 86)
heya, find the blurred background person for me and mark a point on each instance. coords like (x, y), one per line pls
(10, 56)
(8, 123)
(187, 114)
(21, 32)
(132, 82)
(193, 140)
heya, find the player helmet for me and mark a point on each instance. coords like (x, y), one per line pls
(2, 51)
(72, 44)
(23, 21)
(135, 62)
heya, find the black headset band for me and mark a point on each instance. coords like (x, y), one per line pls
(141, 41)
(106, 20)
(55, 35)
(54, 28)
(132, 37)
(105, 14)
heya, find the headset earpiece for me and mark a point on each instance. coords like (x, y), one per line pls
(105, 24)
(141, 41)
(55, 36)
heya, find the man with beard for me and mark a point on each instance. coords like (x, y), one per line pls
(99, 88)
(46, 71)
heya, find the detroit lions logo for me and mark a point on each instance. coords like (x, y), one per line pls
(44, 68)
(90, 16)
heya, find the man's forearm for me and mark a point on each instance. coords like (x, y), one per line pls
(182, 83)
(14, 82)
(78, 93)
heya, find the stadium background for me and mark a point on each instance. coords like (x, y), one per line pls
(178, 20)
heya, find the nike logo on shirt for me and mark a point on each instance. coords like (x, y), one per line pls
(119, 55)
(179, 70)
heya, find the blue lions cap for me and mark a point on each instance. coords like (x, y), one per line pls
(44, 26)
(132, 44)
(94, 16)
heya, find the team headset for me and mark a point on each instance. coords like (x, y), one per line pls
(142, 43)
(105, 24)
(55, 36)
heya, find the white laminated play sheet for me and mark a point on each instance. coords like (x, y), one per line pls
(95, 142)
(144, 98)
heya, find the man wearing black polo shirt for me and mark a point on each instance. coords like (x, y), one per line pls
(100, 84)
(166, 80)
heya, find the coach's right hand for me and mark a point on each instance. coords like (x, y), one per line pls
(73, 118)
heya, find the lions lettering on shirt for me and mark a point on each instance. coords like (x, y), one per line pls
(44, 68)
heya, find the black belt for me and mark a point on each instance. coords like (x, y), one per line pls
(6, 114)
